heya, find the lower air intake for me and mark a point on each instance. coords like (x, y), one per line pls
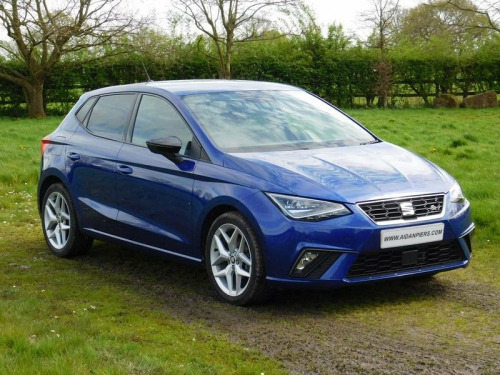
(406, 258)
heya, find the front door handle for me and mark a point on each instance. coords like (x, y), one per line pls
(125, 169)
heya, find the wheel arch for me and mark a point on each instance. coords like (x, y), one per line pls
(45, 183)
(220, 208)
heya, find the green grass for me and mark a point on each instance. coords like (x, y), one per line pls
(123, 312)
(59, 316)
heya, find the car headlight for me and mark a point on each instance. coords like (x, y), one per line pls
(299, 208)
(456, 195)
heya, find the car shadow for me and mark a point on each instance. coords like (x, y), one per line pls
(155, 275)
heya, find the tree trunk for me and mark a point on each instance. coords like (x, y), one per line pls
(225, 59)
(384, 81)
(34, 99)
(224, 70)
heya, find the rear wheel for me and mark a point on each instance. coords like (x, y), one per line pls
(60, 226)
(234, 260)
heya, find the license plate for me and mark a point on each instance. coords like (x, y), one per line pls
(411, 235)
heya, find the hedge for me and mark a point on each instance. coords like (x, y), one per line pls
(346, 78)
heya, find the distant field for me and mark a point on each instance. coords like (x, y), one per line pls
(116, 311)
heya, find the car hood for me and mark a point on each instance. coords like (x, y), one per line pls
(349, 174)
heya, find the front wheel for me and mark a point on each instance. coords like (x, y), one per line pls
(234, 260)
(60, 226)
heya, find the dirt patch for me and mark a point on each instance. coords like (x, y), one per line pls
(315, 332)
(294, 330)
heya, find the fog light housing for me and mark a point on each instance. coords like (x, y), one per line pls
(306, 258)
(312, 263)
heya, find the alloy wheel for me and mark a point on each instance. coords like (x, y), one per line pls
(231, 260)
(57, 220)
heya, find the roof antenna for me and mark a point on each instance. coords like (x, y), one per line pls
(146, 71)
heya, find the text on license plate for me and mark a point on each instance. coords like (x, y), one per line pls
(411, 235)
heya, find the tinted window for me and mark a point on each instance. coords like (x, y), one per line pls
(84, 109)
(243, 121)
(157, 118)
(110, 116)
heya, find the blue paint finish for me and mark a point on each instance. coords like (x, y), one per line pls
(92, 179)
(154, 200)
(126, 194)
(348, 174)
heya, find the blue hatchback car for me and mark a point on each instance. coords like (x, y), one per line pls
(264, 184)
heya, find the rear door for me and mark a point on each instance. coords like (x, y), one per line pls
(91, 158)
(154, 193)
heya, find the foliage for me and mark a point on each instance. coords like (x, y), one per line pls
(440, 21)
(339, 75)
(41, 33)
(229, 22)
(488, 10)
(423, 60)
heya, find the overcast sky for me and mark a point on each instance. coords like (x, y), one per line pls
(347, 12)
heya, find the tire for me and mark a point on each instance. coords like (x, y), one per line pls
(234, 260)
(60, 224)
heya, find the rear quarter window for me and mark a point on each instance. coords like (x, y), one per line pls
(85, 109)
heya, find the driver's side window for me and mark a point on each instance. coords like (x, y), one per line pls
(157, 118)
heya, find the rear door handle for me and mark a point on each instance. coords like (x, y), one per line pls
(73, 156)
(125, 169)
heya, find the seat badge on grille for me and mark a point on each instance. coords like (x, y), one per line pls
(407, 209)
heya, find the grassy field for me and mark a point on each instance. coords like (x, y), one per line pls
(67, 317)
(116, 311)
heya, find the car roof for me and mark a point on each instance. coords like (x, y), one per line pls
(197, 86)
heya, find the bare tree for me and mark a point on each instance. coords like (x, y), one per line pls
(41, 34)
(489, 9)
(228, 22)
(382, 18)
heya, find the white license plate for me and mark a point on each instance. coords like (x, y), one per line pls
(411, 235)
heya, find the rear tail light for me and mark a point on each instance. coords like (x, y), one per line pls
(45, 144)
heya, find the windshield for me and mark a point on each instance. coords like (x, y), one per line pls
(248, 121)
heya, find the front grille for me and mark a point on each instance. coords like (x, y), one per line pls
(390, 210)
(406, 258)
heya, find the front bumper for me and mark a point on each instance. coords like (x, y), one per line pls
(351, 253)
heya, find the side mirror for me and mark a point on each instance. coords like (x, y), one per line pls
(168, 147)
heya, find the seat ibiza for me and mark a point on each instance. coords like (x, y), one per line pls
(264, 184)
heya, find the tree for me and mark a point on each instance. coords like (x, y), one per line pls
(229, 22)
(440, 20)
(41, 35)
(487, 9)
(382, 19)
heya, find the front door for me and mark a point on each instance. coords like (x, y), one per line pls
(155, 193)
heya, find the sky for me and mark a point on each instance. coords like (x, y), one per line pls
(347, 12)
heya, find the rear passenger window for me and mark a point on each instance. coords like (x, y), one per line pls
(110, 116)
(157, 118)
